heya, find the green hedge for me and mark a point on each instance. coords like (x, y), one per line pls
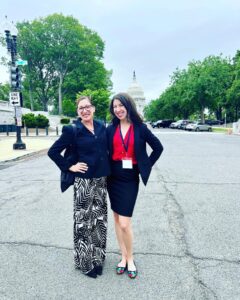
(32, 121)
(65, 121)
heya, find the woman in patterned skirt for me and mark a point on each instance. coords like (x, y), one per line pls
(91, 166)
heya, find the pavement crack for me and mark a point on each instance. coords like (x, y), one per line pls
(206, 289)
(175, 215)
(217, 260)
(25, 243)
(6, 201)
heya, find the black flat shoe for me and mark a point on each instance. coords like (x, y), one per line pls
(92, 273)
(98, 270)
(132, 274)
(121, 270)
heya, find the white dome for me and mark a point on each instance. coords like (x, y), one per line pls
(135, 90)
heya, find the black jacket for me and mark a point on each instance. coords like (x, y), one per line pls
(91, 149)
(142, 136)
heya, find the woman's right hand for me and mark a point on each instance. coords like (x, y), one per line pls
(79, 167)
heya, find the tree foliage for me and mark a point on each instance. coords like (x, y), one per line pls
(206, 84)
(64, 57)
(69, 108)
(4, 91)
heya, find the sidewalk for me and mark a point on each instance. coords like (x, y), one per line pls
(33, 145)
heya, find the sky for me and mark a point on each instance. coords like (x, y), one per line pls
(152, 37)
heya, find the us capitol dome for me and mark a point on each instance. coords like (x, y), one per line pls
(136, 92)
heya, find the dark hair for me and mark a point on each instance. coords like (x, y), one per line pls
(83, 98)
(128, 102)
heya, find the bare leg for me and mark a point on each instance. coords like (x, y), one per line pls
(120, 241)
(127, 236)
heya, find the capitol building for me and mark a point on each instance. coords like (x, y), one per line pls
(136, 92)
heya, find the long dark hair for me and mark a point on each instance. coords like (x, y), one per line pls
(128, 102)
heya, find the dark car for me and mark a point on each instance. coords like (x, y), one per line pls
(166, 123)
(214, 122)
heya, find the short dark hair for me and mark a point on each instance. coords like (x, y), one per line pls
(84, 97)
(128, 102)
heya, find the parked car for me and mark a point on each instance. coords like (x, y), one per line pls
(214, 122)
(184, 124)
(198, 126)
(176, 124)
(156, 124)
(166, 123)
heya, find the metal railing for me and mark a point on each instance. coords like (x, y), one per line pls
(8, 129)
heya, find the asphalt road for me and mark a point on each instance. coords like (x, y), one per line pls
(186, 224)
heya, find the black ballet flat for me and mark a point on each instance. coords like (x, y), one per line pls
(120, 270)
(132, 274)
(98, 270)
(92, 273)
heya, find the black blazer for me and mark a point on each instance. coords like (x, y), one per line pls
(142, 136)
(91, 149)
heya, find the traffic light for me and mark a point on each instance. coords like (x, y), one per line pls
(16, 78)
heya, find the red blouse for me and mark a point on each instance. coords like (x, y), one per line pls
(119, 151)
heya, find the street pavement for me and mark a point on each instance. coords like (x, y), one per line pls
(186, 226)
(33, 144)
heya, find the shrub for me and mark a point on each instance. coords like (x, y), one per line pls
(41, 121)
(32, 121)
(65, 121)
(29, 120)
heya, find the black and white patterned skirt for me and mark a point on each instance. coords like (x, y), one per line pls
(90, 222)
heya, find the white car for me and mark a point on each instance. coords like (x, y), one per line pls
(198, 126)
(176, 124)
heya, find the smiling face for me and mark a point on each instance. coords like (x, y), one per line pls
(119, 110)
(85, 110)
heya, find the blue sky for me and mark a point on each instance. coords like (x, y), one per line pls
(152, 37)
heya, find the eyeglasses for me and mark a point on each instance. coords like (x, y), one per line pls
(87, 108)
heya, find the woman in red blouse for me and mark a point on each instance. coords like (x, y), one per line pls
(127, 139)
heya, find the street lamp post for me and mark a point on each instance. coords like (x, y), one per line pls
(15, 78)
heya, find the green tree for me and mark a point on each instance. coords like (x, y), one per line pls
(202, 85)
(61, 54)
(233, 93)
(233, 97)
(69, 108)
(4, 91)
(208, 82)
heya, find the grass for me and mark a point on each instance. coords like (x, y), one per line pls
(221, 129)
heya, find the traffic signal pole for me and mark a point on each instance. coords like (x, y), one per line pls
(15, 95)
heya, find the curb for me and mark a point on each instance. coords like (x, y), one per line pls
(26, 156)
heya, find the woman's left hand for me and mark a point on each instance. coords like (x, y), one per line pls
(79, 167)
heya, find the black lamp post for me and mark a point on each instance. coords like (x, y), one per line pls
(15, 78)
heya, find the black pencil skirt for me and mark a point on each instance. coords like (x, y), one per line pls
(122, 188)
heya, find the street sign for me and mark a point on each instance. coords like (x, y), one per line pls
(21, 62)
(14, 99)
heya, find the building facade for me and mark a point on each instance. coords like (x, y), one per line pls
(136, 92)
